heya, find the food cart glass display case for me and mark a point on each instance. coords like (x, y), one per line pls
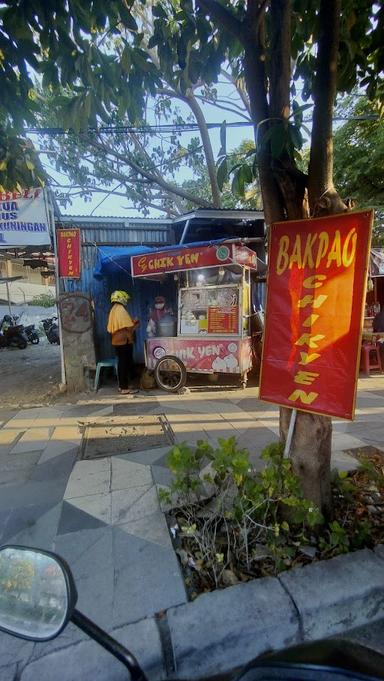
(213, 316)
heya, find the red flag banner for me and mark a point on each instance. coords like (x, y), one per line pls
(317, 277)
(68, 251)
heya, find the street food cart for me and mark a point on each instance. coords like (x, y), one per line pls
(211, 331)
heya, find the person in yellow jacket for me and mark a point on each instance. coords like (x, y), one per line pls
(121, 326)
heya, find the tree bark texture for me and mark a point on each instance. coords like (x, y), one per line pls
(323, 199)
(284, 188)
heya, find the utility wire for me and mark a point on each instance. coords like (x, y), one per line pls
(169, 128)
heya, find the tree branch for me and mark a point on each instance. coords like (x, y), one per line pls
(223, 17)
(168, 186)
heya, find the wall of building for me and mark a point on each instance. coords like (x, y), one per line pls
(95, 235)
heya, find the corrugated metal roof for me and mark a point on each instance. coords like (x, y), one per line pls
(113, 219)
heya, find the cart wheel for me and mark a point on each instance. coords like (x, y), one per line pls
(170, 374)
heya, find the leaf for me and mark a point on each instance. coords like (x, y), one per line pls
(296, 136)
(126, 59)
(222, 174)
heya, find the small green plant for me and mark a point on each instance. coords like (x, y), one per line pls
(370, 470)
(228, 513)
(43, 300)
(236, 523)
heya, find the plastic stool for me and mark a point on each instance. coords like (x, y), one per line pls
(100, 365)
(366, 361)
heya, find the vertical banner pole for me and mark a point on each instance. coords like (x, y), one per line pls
(288, 442)
(57, 283)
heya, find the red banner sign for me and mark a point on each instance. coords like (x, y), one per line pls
(179, 259)
(316, 292)
(68, 251)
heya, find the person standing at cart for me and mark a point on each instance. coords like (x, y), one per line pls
(121, 326)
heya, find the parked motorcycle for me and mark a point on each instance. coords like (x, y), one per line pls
(39, 606)
(51, 329)
(32, 335)
(12, 334)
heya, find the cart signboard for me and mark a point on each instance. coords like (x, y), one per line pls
(317, 277)
(202, 355)
(190, 258)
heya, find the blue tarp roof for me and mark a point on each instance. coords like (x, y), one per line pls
(115, 259)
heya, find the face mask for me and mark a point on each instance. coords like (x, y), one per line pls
(159, 306)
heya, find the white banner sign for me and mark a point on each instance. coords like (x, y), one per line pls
(24, 219)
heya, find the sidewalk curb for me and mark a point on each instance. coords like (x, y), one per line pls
(222, 630)
(225, 629)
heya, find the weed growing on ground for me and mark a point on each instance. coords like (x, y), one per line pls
(233, 523)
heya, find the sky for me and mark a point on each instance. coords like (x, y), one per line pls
(117, 206)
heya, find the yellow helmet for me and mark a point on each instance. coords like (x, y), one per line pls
(120, 297)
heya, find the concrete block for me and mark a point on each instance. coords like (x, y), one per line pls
(88, 660)
(222, 630)
(339, 594)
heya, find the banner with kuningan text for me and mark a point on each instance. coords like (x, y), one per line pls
(24, 219)
(317, 277)
(68, 253)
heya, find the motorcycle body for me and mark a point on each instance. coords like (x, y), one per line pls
(32, 335)
(12, 335)
(51, 329)
(41, 608)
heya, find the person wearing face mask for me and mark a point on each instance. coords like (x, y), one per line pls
(156, 314)
(121, 327)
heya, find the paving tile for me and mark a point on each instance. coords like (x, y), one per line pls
(12, 650)
(147, 457)
(73, 519)
(89, 477)
(58, 468)
(13, 521)
(126, 473)
(96, 505)
(89, 660)
(66, 434)
(162, 475)
(9, 436)
(131, 504)
(33, 439)
(152, 528)
(31, 493)
(343, 462)
(147, 578)
(89, 554)
(42, 532)
(54, 449)
(341, 441)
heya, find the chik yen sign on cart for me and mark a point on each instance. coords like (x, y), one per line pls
(316, 292)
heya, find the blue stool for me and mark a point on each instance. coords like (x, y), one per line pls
(100, 365)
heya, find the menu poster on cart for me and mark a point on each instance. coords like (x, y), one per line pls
(223, 319)
(317, 276)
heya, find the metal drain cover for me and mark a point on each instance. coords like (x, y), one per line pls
(124, 434)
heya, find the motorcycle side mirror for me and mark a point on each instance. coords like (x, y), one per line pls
(37, 593)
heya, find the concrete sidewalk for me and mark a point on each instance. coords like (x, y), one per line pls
(103, 515)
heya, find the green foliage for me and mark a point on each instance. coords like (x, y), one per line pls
(43, 300)
(359, 158)
(234, 520)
